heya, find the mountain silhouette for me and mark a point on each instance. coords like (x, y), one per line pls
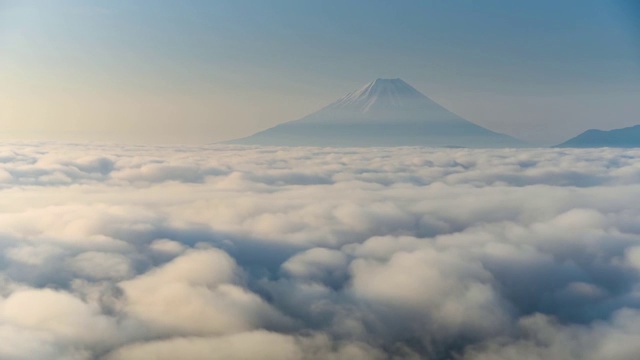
(385, 112)
(622, 138)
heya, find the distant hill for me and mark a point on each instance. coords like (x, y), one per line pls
(621, 138)
(385, 112)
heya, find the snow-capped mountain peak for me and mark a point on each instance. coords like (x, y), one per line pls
(380, 93)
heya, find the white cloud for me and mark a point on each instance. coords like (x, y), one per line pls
(198, 293)
(39, 322)
(101, 266)
(167, 247)
(317, 264)
(544, 338)
(256, 345)
(427, 291)
(135, 252)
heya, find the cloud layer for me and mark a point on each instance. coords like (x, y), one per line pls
(112, 252)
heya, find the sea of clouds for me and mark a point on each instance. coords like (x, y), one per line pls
(225, 252)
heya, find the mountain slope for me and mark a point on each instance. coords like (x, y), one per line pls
(385, 112)
(623, 138)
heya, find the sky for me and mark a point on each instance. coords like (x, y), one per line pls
(205, 71)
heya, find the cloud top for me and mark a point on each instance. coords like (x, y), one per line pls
(114, 252)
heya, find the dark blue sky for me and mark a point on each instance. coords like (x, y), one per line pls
(201, 71)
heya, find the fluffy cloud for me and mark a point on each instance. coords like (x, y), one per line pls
(139, 252)
(200, 290)
(249, 345)
(541, 337)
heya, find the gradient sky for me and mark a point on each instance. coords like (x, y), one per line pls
(202, 71)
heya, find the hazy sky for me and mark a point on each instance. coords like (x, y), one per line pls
(204, 71)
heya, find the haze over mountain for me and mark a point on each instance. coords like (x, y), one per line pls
(385, 112)
(628, 137)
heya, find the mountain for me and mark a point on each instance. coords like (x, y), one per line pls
(622, 138)
(385, 112)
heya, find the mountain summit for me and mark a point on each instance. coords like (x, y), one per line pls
(379, 95)
(385, 112)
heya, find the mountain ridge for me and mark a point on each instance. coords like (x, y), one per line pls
(627, 137)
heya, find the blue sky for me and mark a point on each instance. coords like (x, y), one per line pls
(202, 71)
